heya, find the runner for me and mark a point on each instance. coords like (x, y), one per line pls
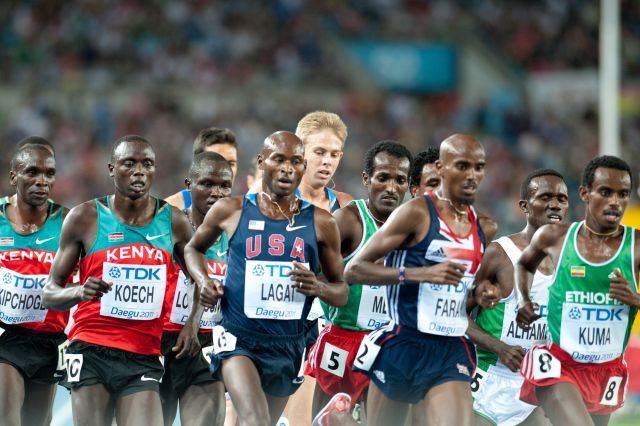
(128, 238)
(424, 173)
(275, 239)
(580, 377)
(30, 365)
(214, 139)
(187, 378)
(501, 343)
(433, 247)
(386, 177)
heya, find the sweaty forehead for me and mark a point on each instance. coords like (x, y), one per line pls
(133, 149)
(547, 184)
(33, 156)
(461, 148)
(613, 178)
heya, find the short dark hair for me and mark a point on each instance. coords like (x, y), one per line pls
(214, 157)
(35, 141)
(428, 156)
(213, 136)
(125, 139)
(525, 190)
(606, 161)
(390, 147)
(19, 153)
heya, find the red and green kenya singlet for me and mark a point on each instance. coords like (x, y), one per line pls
(178, 287)
(25, 261)
(138, 261)
(583, 318)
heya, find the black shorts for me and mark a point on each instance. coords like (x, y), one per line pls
(278, 358)
(34, 354)
(179, 374)
(121, 372)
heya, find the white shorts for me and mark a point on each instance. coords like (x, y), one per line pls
(496, 396)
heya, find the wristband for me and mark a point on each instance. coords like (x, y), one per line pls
(401, 275)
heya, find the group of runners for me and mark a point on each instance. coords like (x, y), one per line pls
(296, 304)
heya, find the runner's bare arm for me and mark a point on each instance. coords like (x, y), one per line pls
(400, 230)
(489, 226)
(222, 217)
(78, 229)
(334, 291)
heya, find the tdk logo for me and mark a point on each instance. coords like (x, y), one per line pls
(23, 282)
(436, 287)
(258, 270)
(596, 314)
(135, 273)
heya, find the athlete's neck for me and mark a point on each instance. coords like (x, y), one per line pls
(195, 217)
(138, 212)
(528, 232)
(593, 229)
(377, 216)
(457, 209)
(26, 218)
(276, 206)
(313, 193)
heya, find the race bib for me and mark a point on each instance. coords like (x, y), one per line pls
(73, 363)
(611, 391)
(223, 341)
(367, 354)
(373, 311)
(206, 353)
(513, 335)
(593, 333)
(180, 306)
(442, 308)
(269, 292)
(62, 349)
(334, 359)
(478, 380)
(21, 297)
(543, 364)
(137, 292)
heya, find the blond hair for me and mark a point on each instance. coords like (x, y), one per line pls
(320, 120)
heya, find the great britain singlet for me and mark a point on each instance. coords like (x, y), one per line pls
(177, 290)
(137, 260)
(436, 308)
(258, 293)
(500, 322)
(584, 320)
(25, 261)
(366, 307)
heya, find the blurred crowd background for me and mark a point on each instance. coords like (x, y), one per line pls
(521, 75)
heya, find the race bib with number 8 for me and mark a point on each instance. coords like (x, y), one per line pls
(545, 365)
(611, 391)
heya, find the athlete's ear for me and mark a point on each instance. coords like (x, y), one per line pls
(413, 189)
(110, 167)
(187, 183)
(365, 179)
(524, 206)
(583, 191)
(13, 178)
(439, 166)
(260, 162)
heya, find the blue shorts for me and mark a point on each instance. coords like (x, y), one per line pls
(410, 362)
(278, 358)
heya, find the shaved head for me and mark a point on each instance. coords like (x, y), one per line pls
(458, 144)
(280, 137)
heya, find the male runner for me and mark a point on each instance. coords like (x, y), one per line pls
(126, 243)
(433, 246)
(275, 239)
(386, 177)
(29, 235)
(424, 174)
(501, 343)
(187, 378)
(31, 140)
(214, 139)
(580, 377)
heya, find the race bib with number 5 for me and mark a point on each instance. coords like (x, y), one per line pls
(334, 359)
(478, 379)
(223, 341)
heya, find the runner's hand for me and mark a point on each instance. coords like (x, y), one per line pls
(527, 314)
(93, 289)
(487, 295)
(511, 356)
(443, 273)
(210, 293)
(620, 289)
(305, 281)
(187, 344)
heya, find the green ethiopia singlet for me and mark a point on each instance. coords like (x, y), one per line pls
(584, 319)
(366, 307)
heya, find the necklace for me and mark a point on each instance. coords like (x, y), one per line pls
(441, 198)
(602, 234)
(291, 219)
(380, 222)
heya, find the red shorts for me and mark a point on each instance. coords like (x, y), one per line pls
(602, 386)
(331, 359)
